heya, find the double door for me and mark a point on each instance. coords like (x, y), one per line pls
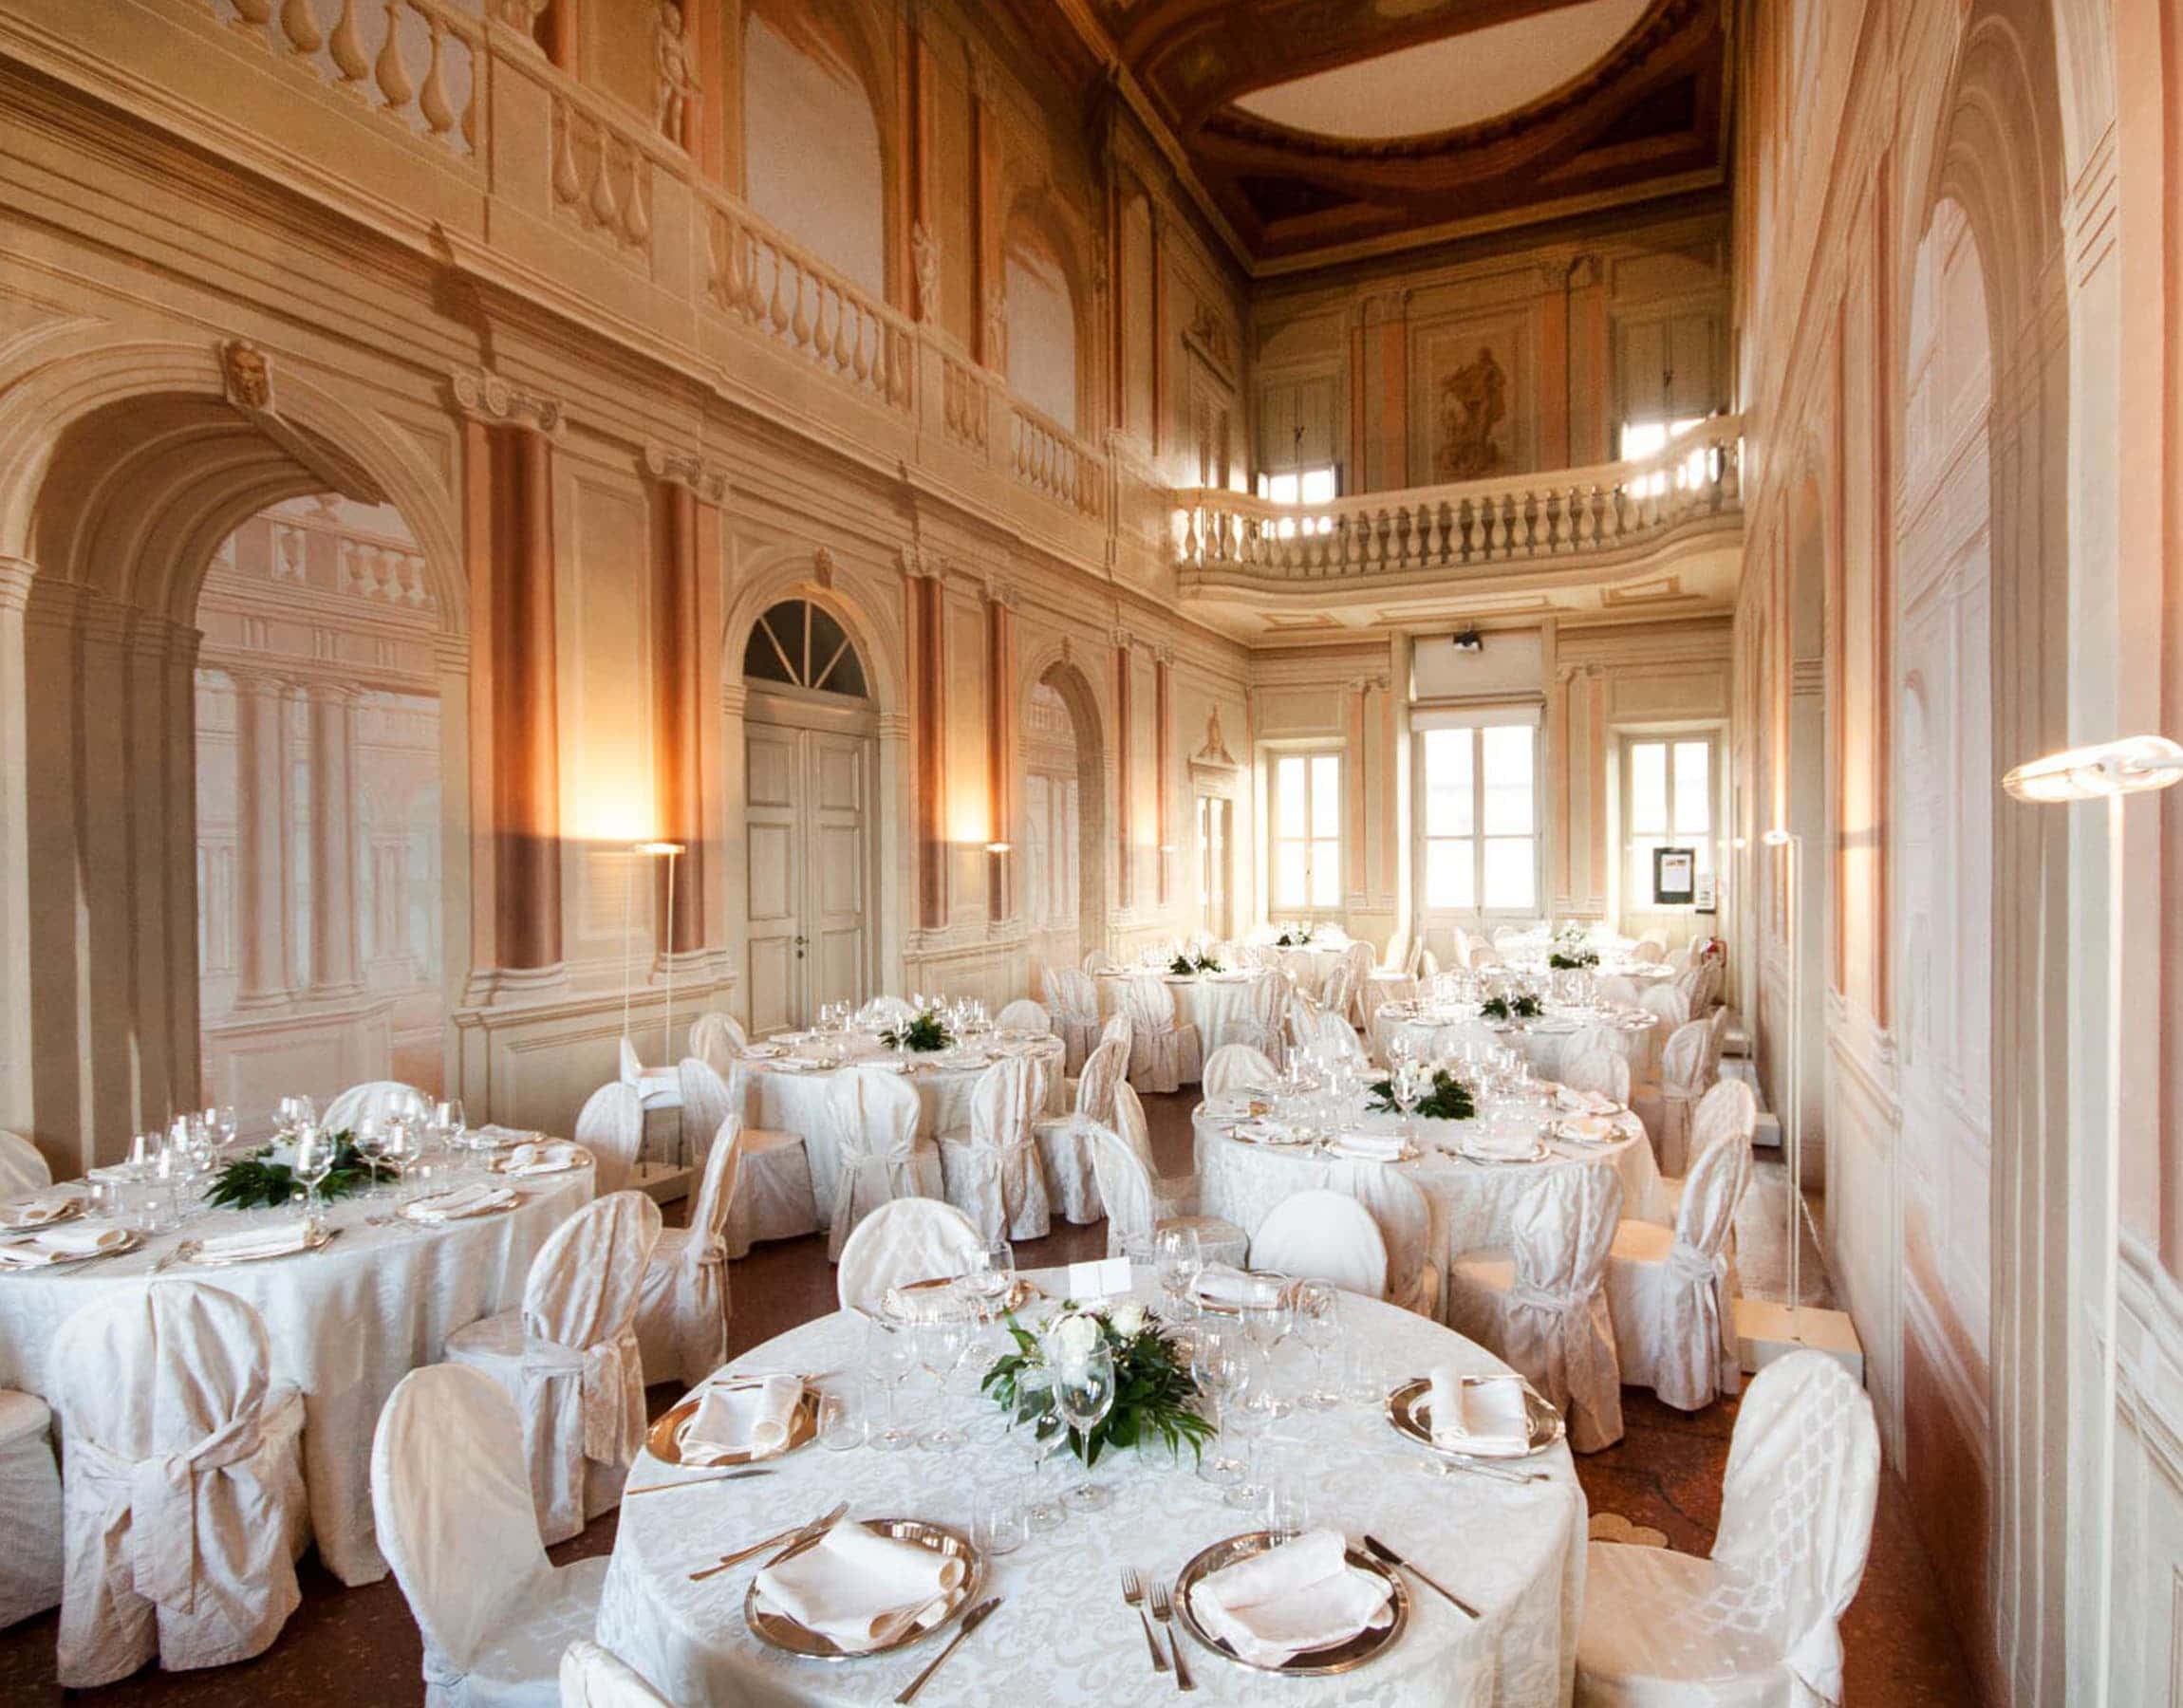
(809, 839)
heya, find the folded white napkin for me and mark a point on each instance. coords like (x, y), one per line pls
(1589, 1130)
(799, 1064)
(40, 1211)
(858, 1589)
(257, 1242)
(1300, 1596)
(1481, 1414)
(57, 1245)
(1222, 1284)
(750, 1417)
(462, 1201)
(550, 1158)
(1499, 1144)
(506, 1135)
(1369, 1147)
(1583, 1103)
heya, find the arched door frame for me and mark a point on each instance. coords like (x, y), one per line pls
(1054, 664)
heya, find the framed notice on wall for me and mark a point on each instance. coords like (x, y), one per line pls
(1674, 876)
(1705, 901)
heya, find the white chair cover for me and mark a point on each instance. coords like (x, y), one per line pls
(717, 1039)
(1375, 993)
(885, 1010)
(1097, 962)
(1618, 989)
(1758, 1622)
(656, 1089)
(453, 1512)
(611, 1127)
(1323, 1237)
(1545, 1309)
(1119, 1029)
(910, 1239)
(1063, 1150)
(374, 1098)
(184, 1494)
(1235, 1068)
(707, 1106)
(1398, 951)
(1483, 956)
(1336, 1039)
(1164, 1054)
(23, 1168)
(1127, 1188)
(1427, 964)
(1666, 1107)
(683, 1306)
(594, 1677)
(1024, 1015)
(1592, 1060)
(31, 1497)
(1337, 996)
(1669, 1293)
(1729, 1109)
(1398, 1204)
(1075, 1001)
(569, 1359)
(1260, 1025)
(994, 1175)
(1302, 968)
(774, 1197)
(1361, 962)
(874, 1114)
(1646, 951)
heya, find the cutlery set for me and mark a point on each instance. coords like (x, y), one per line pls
(1163, 1605)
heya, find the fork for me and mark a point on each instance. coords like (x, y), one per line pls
(1133, 1596)
(1163, 1608)
(188, 1247)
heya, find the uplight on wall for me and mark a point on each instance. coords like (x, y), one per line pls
(669, 851)
(1794, 844)
(999, 847)
(2110, 772)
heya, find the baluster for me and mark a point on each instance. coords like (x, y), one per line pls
(300, 25)
(752, 302)
(257, 12)
(637, 210)
(432, 97)
(567, 183)
(395, 88)
(470, 106)
(601, 203)
(843, 358)
(346, 46)
(800, 327)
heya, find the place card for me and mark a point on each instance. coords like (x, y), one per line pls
(1104, 1279)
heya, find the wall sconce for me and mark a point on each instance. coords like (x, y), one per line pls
(1168, 847)
(999, 847)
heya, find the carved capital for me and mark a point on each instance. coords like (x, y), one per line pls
(690, 469)
(1165, 655)
(1002, 594)
(1124, 641)
(487, 396)
(921, 563)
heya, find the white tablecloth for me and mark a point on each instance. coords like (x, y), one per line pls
(1540, 1040)
(346, 1323)
(791, 1102)
(1473, 1203)
(1212, 1004)
(1062, 1634)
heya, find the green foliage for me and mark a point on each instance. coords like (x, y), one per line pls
(1512, 1008)
(1572, 960)
(1153, 1389)
(256, 1181)
(1187, 963)
(1448, 1100)
(1297, 938)
(925, 1032)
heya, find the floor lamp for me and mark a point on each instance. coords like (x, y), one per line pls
(1794, 846)
(670, 852)
(2111, 771)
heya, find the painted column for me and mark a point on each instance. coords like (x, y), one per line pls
(1163, 761)
(928, 614)
(1124, 778)
(263, 898)
(1001, 766)
(334, 887)
(685, 498)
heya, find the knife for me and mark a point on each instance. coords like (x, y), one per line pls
(971, 1621)
(1381, 1550)
(784, 1540)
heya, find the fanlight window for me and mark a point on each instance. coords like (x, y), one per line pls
(799, 643)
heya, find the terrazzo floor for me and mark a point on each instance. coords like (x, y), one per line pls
(359, 1646)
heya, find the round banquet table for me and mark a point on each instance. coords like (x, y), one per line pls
(1212, 1002)
(1540, 1040)
(1473, 1204)
(788, 1099)
(1061, 1633)
(345, 1322)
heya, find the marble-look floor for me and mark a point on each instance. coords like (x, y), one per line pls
(359, 1646)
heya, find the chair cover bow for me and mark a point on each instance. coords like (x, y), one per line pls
(160, 1495)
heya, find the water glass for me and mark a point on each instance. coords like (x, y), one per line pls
(1288, 1502)
(1000, 1517)
(890, 1356)
(841, 1420)
(1364, 1377)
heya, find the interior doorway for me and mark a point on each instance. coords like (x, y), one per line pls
(1063, 820)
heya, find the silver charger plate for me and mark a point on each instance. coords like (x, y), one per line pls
(498, 1165)
(1405, 1410)
(129, 1243)
(316, 1240)
(778, 1630)
(407, 1212)
(1360, 1650)
(1539, 1153)
(71, 1210)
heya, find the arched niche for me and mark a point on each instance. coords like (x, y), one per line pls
(1049, 346)
(1050, 669)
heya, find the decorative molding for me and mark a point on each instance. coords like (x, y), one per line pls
(925, 261)
(921, 563)
(691, 469)
(1214, 755)
(485, 395)
(246, 374)
(822, 568)
(1209, 335)
(1124, 641)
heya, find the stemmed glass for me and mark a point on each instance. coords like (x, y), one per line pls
(1179, 1261)
(1252, 1417)
(1266, 1321)
(991, 1278)
(1084, 1394)
(890, 1356)
(1220, 1370)
(1318, 1321)
(295, 1113)
(313, 1163)
(1409, 1085)
(941, 1343)
(370, 1141)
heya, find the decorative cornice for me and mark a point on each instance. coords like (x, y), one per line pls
(487, 396)
(690, 469)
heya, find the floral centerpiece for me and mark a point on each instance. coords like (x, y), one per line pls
(923, 1032)
(1153, 1388)
(1567, 958)
(1295, 937)
(1512, 1008)
(1187, 963)
(266, 1178)
(1449, 1099)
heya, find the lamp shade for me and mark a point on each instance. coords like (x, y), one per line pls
(2129, 766)
(656, 849)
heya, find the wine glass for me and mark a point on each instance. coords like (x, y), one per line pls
(890, 1357)
(991, 1278)
(369, 1138)
(1252, 1417)
(1318, 1321)
(1222, 1372)
(942, 1341)
(295, 1113)
(313, 1163)
(1179, 1261)
(1084, 1394)
(1408, 1086)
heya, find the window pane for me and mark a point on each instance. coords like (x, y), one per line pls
(1509, 879)
(1693, 804)
(1282, 489)
(1449, 873)
(1447, 797)
(1326, 795)
(1317, 485)
(1641, 438)
(1289, 796)
(1648, 787)
(1289, 875)
(1505, 754)
(1326, 874)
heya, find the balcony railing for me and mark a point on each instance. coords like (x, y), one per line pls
(1606, 511)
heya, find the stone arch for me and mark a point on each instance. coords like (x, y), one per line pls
(796, 571)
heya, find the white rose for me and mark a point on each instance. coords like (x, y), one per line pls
(1073, 1338)
(1129, 1319)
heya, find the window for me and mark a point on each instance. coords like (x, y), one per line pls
(797, 644)
(1479, 829)
(1301, 486)
(1668, 803)
(1641, 438)
(1307, 832)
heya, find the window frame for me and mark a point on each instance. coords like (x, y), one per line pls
(1473, 720)
(1307, 752)
(1635, 877)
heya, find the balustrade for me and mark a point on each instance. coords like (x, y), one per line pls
(1554, 513)
(601, 176)
(1050, 460)
(415, 61)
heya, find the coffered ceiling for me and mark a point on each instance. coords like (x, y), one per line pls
(1321, 129)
